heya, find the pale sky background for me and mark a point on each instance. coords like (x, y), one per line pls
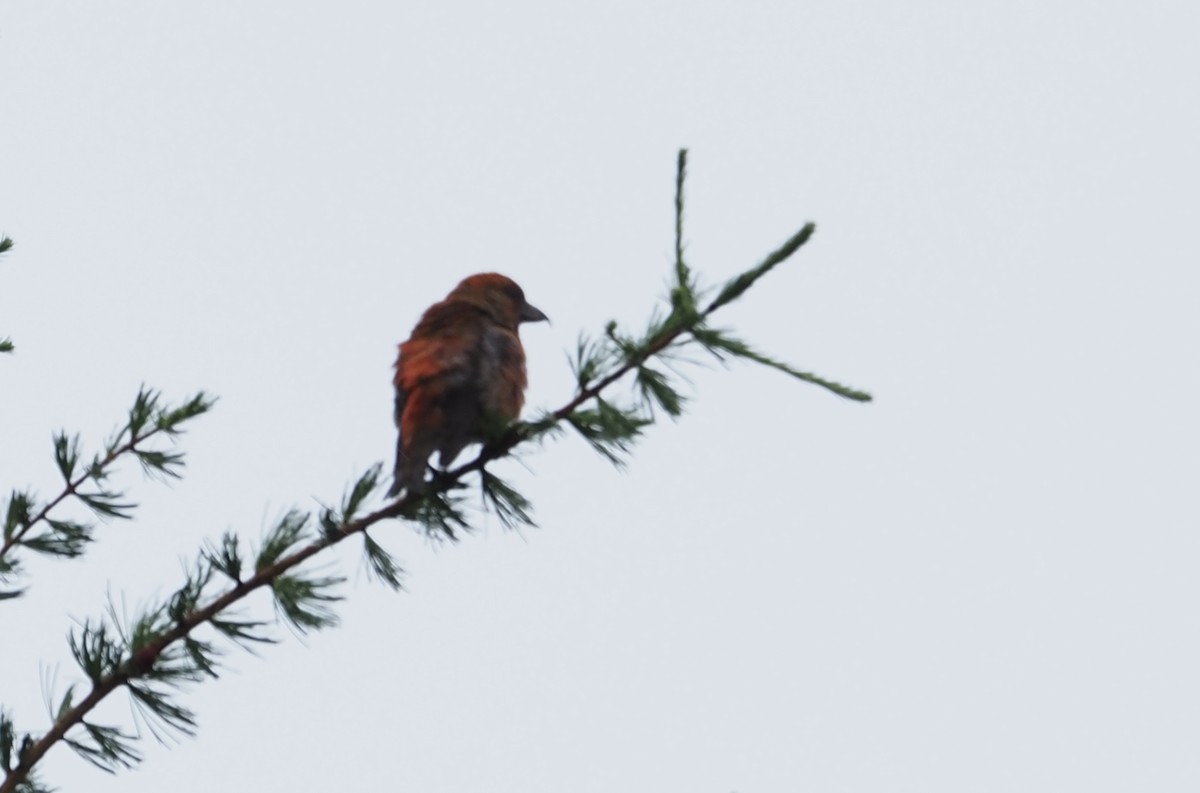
(987, 580)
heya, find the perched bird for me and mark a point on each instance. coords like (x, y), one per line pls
(460, 374)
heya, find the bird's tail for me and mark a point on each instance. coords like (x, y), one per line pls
(397, 471)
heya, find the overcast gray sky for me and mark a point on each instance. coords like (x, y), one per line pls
(984, 581)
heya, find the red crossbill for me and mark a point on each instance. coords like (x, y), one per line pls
(460, 374)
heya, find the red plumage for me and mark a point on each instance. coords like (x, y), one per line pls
(460, 374)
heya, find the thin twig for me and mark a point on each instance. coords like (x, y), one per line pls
(73, 486)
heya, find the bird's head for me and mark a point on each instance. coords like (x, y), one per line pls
(499, 296)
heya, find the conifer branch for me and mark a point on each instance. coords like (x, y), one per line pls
(161, 649)
(26, 525)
